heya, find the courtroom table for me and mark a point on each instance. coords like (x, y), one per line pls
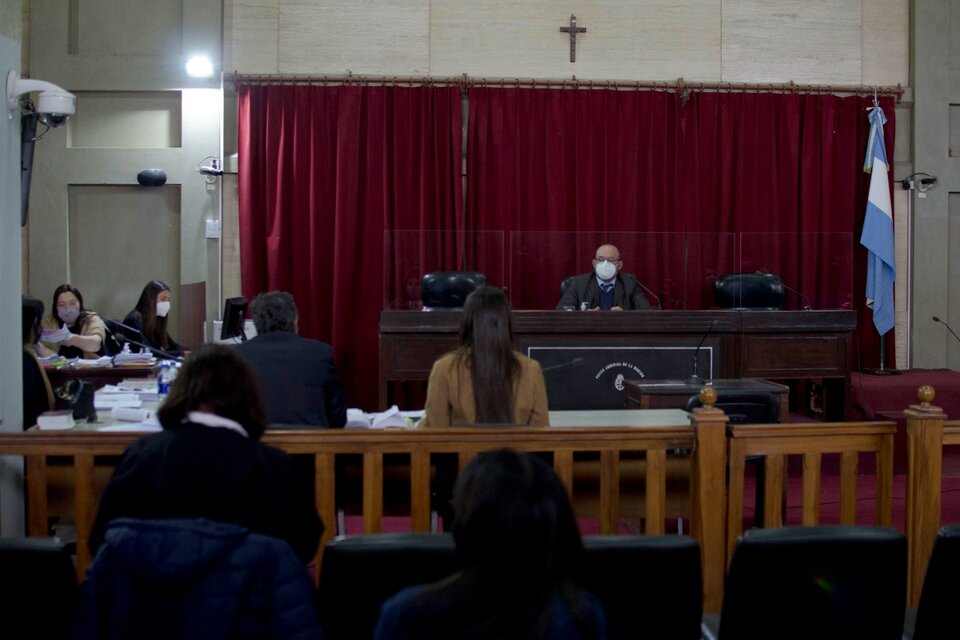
(779, 345)
(667, 394)
(98, 376)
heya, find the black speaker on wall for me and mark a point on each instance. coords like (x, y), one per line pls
(152, 177)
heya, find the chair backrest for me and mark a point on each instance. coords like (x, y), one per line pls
(744, 407)
(565, 284)
(194, 578)
(650, 586)
(39, 587)
(359, 573)
(761, 291)
(941, 590)
(448, 290)
(816, 582)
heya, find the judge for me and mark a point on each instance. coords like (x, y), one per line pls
(605, 288)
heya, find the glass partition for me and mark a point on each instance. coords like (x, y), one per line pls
(408, 255)
(816, 268)
(676, 270)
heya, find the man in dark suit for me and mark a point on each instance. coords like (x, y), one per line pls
(605, 288)
(297, 376)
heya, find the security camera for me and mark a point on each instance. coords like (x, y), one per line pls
(54, 104)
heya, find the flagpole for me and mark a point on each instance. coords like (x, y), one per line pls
(878, 235)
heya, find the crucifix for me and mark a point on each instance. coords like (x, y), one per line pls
(573, 30)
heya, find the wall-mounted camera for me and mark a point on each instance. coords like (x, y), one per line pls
(54, 104)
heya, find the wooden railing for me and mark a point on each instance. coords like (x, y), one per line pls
(812, 441)
(704, 436)
(927, 433)
(716, 512)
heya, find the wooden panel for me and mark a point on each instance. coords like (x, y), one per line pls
(791, 356)
(193, 314)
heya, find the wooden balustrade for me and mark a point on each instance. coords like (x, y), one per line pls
(812, 441)
(717, 504)
(927, 434)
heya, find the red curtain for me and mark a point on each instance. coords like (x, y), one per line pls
(326, 174)
(719, 183)
(348, 194)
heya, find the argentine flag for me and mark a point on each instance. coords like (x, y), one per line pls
(877, 234)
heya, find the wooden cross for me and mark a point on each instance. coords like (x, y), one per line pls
(573, 30)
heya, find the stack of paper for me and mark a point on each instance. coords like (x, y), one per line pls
(391, 418)
(55, 420)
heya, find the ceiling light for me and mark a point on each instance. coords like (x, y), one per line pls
(199, 67)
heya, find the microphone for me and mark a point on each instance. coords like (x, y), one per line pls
(650, 291)
(160, 352)
(694, 378)
(576, 362)
(803, 296)
(936, 319)
(121, 337)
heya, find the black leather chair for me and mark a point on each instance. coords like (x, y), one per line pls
(760, 291)
(39, 587)
(747, 407)
(650, 586)
(359, 573)
(448, 290)
(935, 615)
(814, 582)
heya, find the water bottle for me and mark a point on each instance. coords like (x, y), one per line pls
(163, 382)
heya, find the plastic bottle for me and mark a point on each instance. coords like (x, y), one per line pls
(163, 382)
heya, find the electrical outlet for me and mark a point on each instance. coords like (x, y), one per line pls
(213, 229)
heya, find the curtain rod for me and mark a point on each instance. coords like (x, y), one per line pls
(465, 82)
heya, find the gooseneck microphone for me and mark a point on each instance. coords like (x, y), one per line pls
(936, 319)
(650, 291)
(120, 337)
(160, 352)
(694, 378)
(576, 362)
(803, 296)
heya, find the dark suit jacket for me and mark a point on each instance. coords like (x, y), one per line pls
(627, 294)
(298, 379)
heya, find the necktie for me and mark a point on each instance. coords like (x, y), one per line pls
(607, 288)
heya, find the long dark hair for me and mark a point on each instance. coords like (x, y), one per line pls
(520, 548)
(154, 327)
(486, 345)
(218, 380)
(32, 313)
(81, 319)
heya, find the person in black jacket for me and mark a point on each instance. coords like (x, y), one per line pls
(604, 288)
(207, 462)
(297, 376)
(149, 319)
(37, 393)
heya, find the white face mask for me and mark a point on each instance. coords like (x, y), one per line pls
(606, 270)
(163, 308)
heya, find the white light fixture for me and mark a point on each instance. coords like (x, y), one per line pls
(199, 67)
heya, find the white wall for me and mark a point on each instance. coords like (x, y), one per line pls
(11, 395)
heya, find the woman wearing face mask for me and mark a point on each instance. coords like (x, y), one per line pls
(71, 330)
(150, 315)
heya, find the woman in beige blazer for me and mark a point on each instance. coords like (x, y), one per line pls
(485, 380)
